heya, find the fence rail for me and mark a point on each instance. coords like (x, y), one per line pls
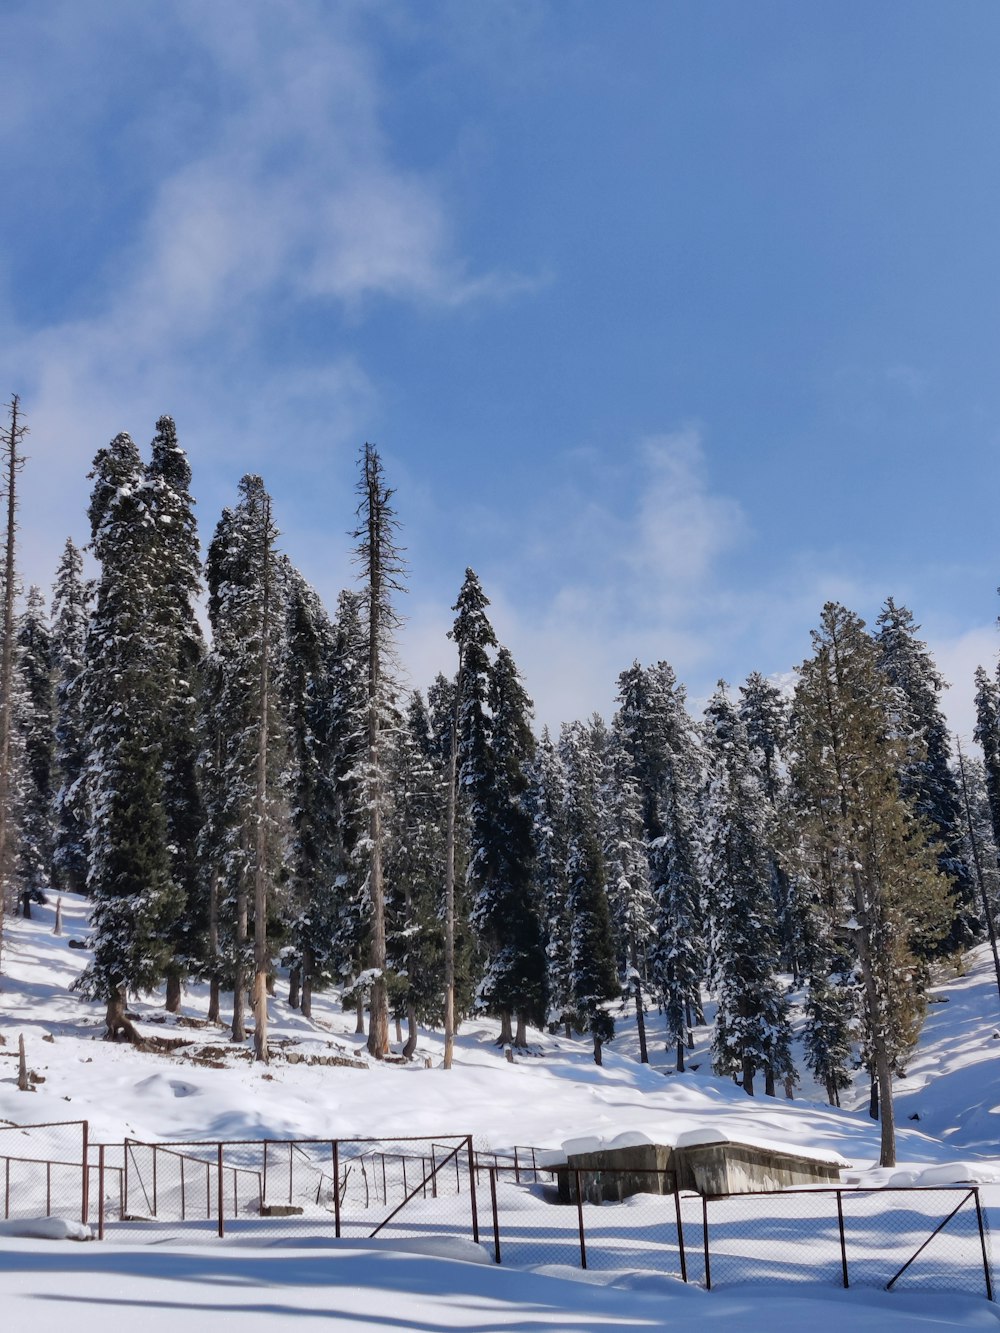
(525, 1210)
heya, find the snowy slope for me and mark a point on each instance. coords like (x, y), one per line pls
(551, 1095)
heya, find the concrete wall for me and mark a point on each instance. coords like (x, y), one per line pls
(708, 1168)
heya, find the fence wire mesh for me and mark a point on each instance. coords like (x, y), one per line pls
(42, 1171)
(524, 1212)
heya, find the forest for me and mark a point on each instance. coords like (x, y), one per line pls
(268, 797)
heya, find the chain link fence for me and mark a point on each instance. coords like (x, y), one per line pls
(43, 1170)
(523, 1210)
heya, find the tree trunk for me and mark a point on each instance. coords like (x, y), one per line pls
(22, 1067)
(748, 1073)
(411, 1032)
(116, 1020)
(598, 1050)
(26, 905)
(57, 928)
(768, 1081)
(640, 1022)
(306, 1005)
(359, 1025)
(521, 1035)
(399, 1027)
(215, 981)
(294, 987)
(505, 1038)
(172, 1003)
(240, 970)
(680, 1055)
(873, 1095)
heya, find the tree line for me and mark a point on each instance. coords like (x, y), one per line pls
(269, 796)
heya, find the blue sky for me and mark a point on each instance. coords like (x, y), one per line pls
(671, 319)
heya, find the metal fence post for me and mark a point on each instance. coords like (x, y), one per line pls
(100, 1191)
(85, 1201)
(680, 1234)
(265, 1169)
(496, 1216)
(579, 1214)
(472, 1189)
(221, 1195)
(154, 1179)
(704, 1223)
(982, 1241)
(843, 1242)
(336, 1188)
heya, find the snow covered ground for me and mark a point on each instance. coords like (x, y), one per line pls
(545, 1098)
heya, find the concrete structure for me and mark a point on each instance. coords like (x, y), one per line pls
(713, 1168)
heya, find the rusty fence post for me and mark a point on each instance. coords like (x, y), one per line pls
(680, 1234)
(704, 1223)
(579, 1214)
(472, 1187)
(496, 1216)
(221, 1194)
(843, 1238)
(336, 1188)
(85, 1201)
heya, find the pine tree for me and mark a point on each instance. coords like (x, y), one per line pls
(380, 562)
(174, 554)
(33, 668)
(752, 1028)
(244, 741)
(505, 913)
(633, 907)
(881, 876)
(593, 975)
(659, 738)
(765, 713)
(987, 734)
(926, 778)
(314, 858)
(70, 614)
(136, 902)
(547, 800)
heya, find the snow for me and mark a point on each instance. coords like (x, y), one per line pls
(551, 1097)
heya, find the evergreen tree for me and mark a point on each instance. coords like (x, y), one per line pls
(593, 975)
(633, 907)
(244, 726)
(136, 901)
(752, 1030)
(659, 737)
(882, 879)
(927, 779)
(505, 913)
(765, 713)
(174, 554)
(314, 859)
(987, 734)
(70, 613)
(33, 722)
(415, 864)
(547, 800)
(381, 569)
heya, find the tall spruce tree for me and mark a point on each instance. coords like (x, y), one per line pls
(752, 1030)
(506, 912)
(174, 553)
(927, 778)
(136, 900)
(547, 805)
(33, 669)
(593, 974)
(244, 742)
(70, 613)
(882, 881)
(380, 564)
